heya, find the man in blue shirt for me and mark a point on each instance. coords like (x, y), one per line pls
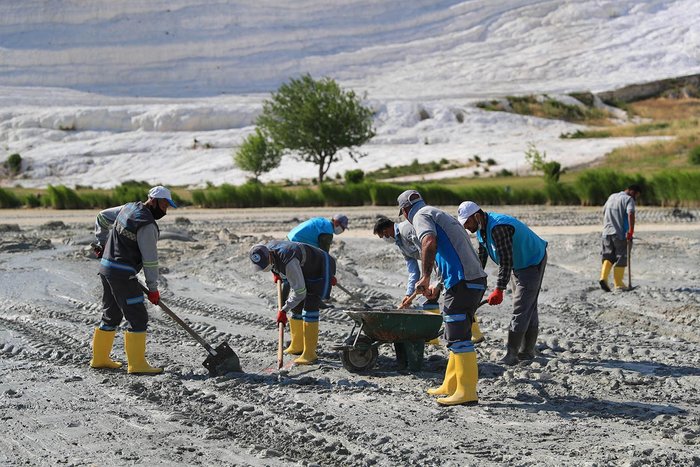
(319, 231)
(517, 250)
(445, 244)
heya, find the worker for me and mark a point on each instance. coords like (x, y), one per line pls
(126, 242)
(618, 230)
(516, 250)
(319, 231)
(445, 243)
(310, 272)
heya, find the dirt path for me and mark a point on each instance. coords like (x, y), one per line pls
(617, 381)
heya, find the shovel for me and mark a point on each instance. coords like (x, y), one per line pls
(354, 296)
(220, 360)
(410, 300)
(280, 327)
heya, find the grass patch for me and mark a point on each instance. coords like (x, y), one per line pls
(414, 168)
(546, 107)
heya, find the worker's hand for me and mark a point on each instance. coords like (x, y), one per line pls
(423, 284)
(98, 251)
(281, 317)
(630, 234)
(433, 292)
(406, 302)
(276, 278)
(154, 297)
(496, 297)
(334, 281)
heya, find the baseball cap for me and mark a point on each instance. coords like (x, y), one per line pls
(466, 210)
(161, 192)
(342, 220)
(407, 199)
(260, 257)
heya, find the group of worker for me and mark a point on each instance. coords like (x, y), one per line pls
(431, 241)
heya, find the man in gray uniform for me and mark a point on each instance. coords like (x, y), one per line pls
(310, 272)
(618, 230)
(446, 244)
(126, 242)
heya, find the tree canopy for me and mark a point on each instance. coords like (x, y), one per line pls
(257, 155)
(314, 120)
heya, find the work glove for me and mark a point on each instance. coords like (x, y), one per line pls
(276, 278)
(281, 317)
(496, 297)
(630, 234)
(154, 297)
(98, 251)
(334, 281)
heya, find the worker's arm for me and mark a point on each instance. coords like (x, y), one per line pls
(428, 251)
(147, 238)
(413, 274)
(324, 242)
(295, 277)
(483, 255)
(502, 236)
(630, 230)
(104, 221)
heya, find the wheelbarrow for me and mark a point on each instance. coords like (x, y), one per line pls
(407, 329)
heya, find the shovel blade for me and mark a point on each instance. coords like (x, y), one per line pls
(223, 362)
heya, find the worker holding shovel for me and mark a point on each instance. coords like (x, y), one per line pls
(445, 243)
(310, 272)
(126, 243)
(618, 230)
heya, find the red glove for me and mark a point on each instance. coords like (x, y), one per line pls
(334, 281)
(281, 317)
(276, 278)
(154, 297)
(496, 297)
(630, 234)
(98, 251)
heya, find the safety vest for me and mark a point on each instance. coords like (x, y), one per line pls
(122, 256)
(528, 248)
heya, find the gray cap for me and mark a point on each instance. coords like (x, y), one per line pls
(342, 219)
(407, 199)
(260, 257)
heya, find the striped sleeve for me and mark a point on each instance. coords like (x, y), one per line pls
(104, 221)
(147, 237)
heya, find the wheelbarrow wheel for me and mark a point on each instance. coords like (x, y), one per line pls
(362, 357)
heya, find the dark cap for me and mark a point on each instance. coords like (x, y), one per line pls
(407, 199)
(260, 257)
(342, 220)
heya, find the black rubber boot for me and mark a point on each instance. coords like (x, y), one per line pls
(515, 339)
(527, 349)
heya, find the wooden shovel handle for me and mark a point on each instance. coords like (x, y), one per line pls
(280, 329)
(410, 300)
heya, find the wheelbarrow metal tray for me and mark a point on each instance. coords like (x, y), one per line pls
(397, 325)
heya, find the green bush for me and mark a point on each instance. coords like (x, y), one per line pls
(8, 200)
(694, 156)
(674, 187)
(32, 200)
(62, 197)
(14, 164)
(593, 187)
(130, 191)
(354, 176)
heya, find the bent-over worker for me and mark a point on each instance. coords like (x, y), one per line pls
(445, 243)
(310, 272)
(518, 250)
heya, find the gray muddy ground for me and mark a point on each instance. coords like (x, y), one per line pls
(617, 381)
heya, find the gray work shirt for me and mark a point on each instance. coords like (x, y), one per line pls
(615, 214)
(455, 258)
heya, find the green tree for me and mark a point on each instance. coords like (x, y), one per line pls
(315, 119)
(257, 155)
(538, 161)
(14, 163)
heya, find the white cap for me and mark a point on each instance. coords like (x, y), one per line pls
(161, 192)
(466, 210)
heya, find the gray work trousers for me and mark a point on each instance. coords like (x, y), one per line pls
(614, 250)
(123, 299)
(527, 283)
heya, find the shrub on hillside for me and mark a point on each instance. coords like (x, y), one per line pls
(8, 200)
(694, 156)
(354, 176)
(14, 164)
(62, 197)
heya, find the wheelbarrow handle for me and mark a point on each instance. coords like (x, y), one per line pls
(179, 321)
(353, 296)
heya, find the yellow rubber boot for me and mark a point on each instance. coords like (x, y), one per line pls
(477, 336)
(310, 343)
(102, 342)
(296, 329)
(449, 384)
(467, 375)
(604, 273)
(435, 341)
(619, 276)
(135, 346)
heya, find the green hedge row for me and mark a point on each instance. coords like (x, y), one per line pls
(591, 188)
